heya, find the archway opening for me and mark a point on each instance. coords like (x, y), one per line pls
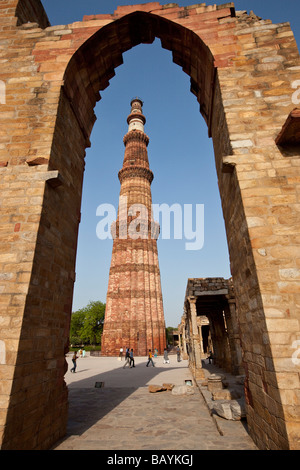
(181, 157)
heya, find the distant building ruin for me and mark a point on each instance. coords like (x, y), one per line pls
(210, 323)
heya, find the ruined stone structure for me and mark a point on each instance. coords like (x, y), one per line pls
(204, 336)
(134, 315)
(211, 301)
(244, 73)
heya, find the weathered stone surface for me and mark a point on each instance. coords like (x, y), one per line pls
(240, 379)
(183, 390)
(134, 285)
(214, 383)
(168, 386)
(231, 409)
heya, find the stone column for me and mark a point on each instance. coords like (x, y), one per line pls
(184, 349)
(234, 338)
(220, 341)
(179, 340)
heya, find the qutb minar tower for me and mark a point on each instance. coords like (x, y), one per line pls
(134, 315)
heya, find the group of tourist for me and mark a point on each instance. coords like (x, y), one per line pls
(129, 359)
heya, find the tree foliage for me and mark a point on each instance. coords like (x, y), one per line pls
(169, 334)
(87, 324)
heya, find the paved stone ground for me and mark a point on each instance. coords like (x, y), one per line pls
(123, 415)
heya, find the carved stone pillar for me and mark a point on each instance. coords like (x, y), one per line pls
(184, 348)
(200, 337)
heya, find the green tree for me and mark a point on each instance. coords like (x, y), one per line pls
(169, 334)
(77, 322)
(87, 323)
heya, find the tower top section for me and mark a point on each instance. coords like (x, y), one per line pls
(136, 120)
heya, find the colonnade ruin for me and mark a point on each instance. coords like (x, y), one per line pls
(210, 323)
(243, 72)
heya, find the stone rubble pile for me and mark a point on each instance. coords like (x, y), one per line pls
(228, 403)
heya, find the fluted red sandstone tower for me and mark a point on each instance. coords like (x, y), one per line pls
(134, 314)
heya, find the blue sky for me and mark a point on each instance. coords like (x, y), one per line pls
(180, 155)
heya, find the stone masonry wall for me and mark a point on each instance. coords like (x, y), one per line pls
(259, 200)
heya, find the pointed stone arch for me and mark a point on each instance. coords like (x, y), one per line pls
(100, 55)
(243, 70)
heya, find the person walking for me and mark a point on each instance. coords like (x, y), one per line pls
(131, 358)
(150, 359)
(74, 359)
(166, 357)
(127, 358)
(121, 354)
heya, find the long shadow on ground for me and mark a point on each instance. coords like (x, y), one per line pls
(89, 404)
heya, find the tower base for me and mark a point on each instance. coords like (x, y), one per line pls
(133, 335)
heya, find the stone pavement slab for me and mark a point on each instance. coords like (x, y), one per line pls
(123, 415)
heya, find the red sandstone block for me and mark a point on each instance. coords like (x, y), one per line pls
(97, 17)
(202, 28)
(51, 67)
(222, 63)
(124, 10)
(224, 56)
(170, 16)
(54, 76)
(80, 35)
(229, 24)
(50, 45)
(215, 14)
(192, 10)
(209, 36)
(227, 39)
(226, 49)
